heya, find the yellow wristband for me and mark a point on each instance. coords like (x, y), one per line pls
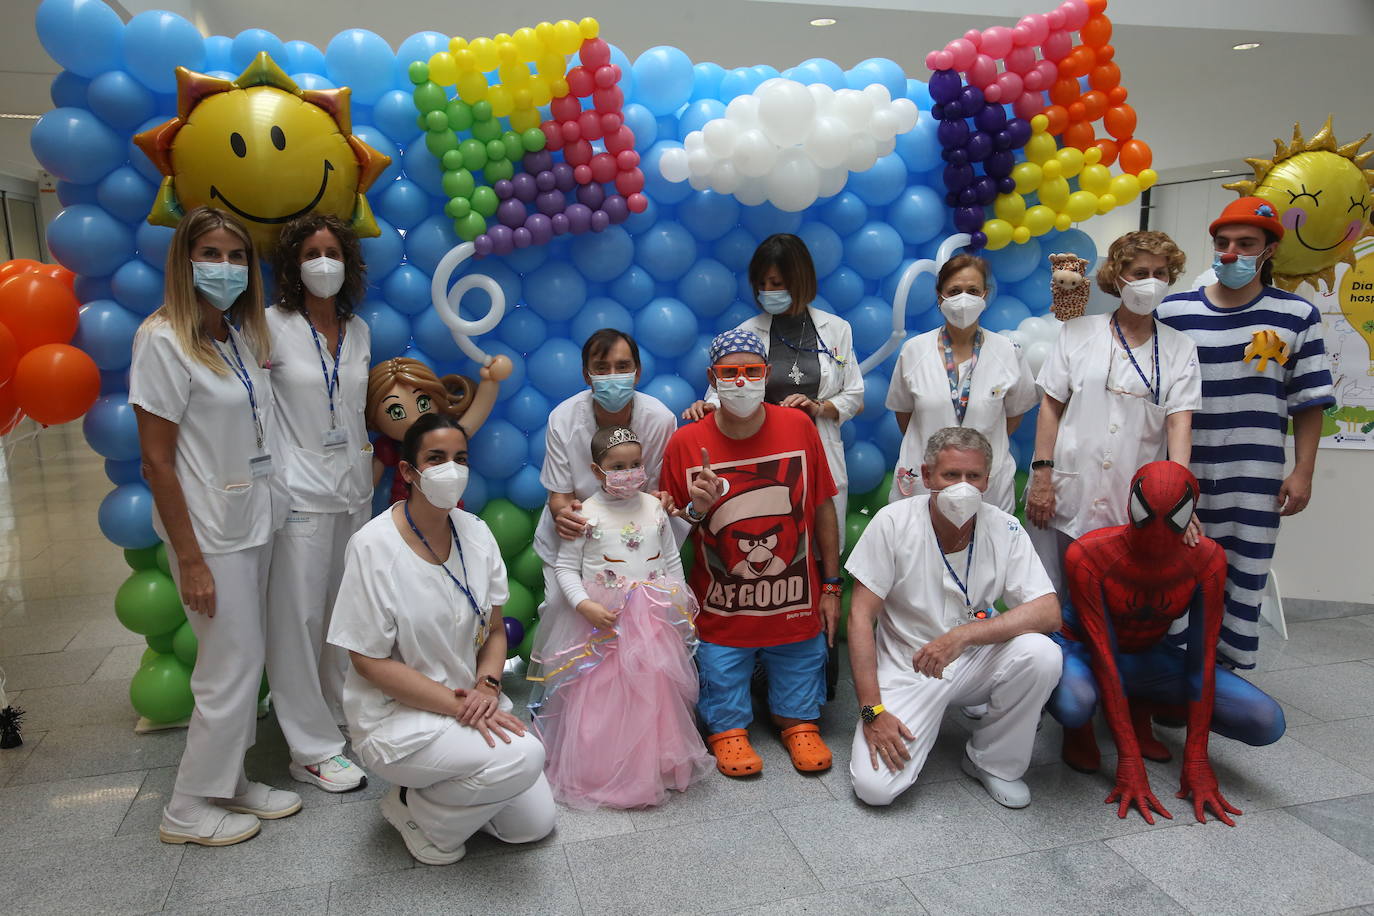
(879, 709)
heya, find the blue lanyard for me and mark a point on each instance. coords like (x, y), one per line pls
(820, 349)
(1153, 389)
(481, 617)
(241, 373)
(968, 567)
(331, 382)
(958, 394)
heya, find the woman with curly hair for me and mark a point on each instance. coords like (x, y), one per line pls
(320, 355)
(1119, 392)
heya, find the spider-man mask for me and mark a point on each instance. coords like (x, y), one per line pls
(1163, 497)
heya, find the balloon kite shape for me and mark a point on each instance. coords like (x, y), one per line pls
(262, 148)
(1323, 196)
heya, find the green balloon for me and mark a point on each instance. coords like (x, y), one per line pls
(142, 558)
(484, 200)
(185, 645)
(533, 140)
(474, 154)
(527, 644)
(459, 115)
(458, 207)
(264, 688)
(496, 150)
(418, 72)
(520, 605)
(451, 161)
(161, 643)
(498, 170)
(528, 569)
(440, 142)
(486, 130)
(854, 527)
(436, 121)
(430, 97)
(470, 226)
(161, 690)
(876, 498)
(481, 111)
(508, 523)
(148, 655)
(514, 148)
(164, 562)
(688, 554)
(458, 182)
(148, 604)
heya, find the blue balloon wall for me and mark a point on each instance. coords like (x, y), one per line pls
(672, 275)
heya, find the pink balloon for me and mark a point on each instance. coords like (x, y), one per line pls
(996, 42)
(1033, 81)
(962, 52)
(983, 71)
(1055, 18)
(1021, 36)
(1048, 71)
(1038, 27)
(992, 94)
(1021, 60)
(933, 61)
(973, 37)
(1010, 84)
(1075, 14)
(943, 60)
(1028, 105)
(1057, 45)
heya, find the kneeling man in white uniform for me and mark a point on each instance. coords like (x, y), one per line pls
(927, 571)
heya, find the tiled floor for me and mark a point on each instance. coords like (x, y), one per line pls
(79, 802)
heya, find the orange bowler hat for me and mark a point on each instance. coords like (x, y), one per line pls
(1250, 211)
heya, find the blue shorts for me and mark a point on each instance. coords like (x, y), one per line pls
(796, 681)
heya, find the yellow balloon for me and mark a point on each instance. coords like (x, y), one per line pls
(589, 27)
(472, 87)
(1027, 176)
(1054, 193)
(513, 75)
(1357, 305)
(456, 44)
(1095, 178)
(1071, 160)
(540, 94)
(1011, 208)
(1092, 155)
(1020, 235)
(1040, 148)
(1125, 188)
(1039, 219)
(442, 69)
(1051, 169)
(1106, 202)
(547, 35)
(552, 64)
(465, 60)
(568, 36)
(1147, 178)
(501, 102)
(507, 52)
(484, 53)
(528, 44)
(1062, 222)
(1039, 124)
(998, 232)
(1081, 205)
(559, 87)
(524, 118)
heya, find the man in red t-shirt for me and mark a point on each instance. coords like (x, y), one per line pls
(757, 488)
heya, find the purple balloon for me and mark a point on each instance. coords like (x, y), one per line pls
(992, 118)
(579, 217)
(958, 177)
(1006, 185)
(541, 161)
(616, 208)
(482, 244)
(524, 186)
(945, 85)
(937, 111)
(979, 146)
(550, 202)
(515, 631)
(600, 220)
(1020, 131)
(956, 156)
(563, 177)
(544, 180)
(968, 219)
(511, 213)
(978, 240)
(521, 236)
(593, 195)
(985, 190)
(501, 240)
(952, 134)
(999, 164)
(972, 101)
(504, 189)
(954, 111)
(1002, 140)
(540, 227)
(968, 197)
(952, 199)
(559, 221)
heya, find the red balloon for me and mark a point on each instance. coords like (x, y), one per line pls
(581, 83)
(1120, 122)
(621, 140)
(9, 354)
(631, 182)
(603, 167)
(637, 203)
(565, 108)
(10, 414)
(55, 383)
(38, 310)
(594, 53)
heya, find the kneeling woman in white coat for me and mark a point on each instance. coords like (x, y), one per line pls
(419, 611)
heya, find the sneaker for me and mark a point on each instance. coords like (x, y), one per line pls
(421, 849)
(336, 774)
(1009, 793)
(216, 827)
(976, 712)
(261, 800)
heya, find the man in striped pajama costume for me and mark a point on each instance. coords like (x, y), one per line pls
(1263, 362)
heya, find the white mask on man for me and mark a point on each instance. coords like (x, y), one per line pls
(741, 399)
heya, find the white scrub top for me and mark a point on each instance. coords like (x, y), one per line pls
(568, 456)
(393, 604)
(1111, 424)
(898, 559)
(320, 477)
(1002, 387)
(216, 439)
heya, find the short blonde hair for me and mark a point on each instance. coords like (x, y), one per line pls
(1129, 247)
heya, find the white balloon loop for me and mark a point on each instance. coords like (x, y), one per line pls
(446, 302)
(908, 279)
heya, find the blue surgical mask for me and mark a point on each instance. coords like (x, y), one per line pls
(220, 282)
(613, 392)
(1239, 272)
(775, 301)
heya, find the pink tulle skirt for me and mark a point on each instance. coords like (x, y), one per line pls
(617, 710)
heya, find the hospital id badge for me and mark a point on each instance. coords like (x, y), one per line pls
(335, 438)
(260, 466)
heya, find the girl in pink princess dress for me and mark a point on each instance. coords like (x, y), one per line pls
(615, 687)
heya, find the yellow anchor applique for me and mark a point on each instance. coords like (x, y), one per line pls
(1264, 346)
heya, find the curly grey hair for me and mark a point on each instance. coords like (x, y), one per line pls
(957, 437)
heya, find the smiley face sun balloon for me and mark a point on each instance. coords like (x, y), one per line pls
(1323, 196)
(264, 149)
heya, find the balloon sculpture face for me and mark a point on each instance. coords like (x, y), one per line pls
(263, 149)
(1324, 198)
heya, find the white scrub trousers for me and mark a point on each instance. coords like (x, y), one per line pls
(228, 674)
(457, 786)
(1014, 678)
(305, 672)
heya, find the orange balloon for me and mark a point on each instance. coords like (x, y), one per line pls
(1120, 121)
(1078, 112)
(1105, 76)
(9, 354)
(1058, 118)
(1064, 91)
(1079, 62)
(1097, 7)
(57, 272)
(1116, 96)
(1094, 104)
(10, 414)
(1109, 150)
(1105, 53)
(18, 266)
(38, 310)
(1079, 135)
(1135, 156)
(1096, 32)
(55, 383)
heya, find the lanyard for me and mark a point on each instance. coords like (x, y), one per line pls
(241, 373)
(481, 618)
(331, 382)
(1153, 389)
(958, 393)
(968, 567)
(820, 349)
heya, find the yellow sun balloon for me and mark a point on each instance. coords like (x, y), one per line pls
(263, 149)
(1324, 198)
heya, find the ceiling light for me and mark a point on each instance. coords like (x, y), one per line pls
(822, 22)
(1220, 171)
(1245, 46)
(13, 116)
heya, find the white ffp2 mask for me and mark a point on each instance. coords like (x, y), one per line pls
(959, 502)
(443, 484)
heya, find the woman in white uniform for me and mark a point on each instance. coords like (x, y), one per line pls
(811, 358)
(960, 375)
(419, 611)
(206, 427)
(320, 358)
(1119, 392)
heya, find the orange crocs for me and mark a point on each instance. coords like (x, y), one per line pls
(809, 753)
(735, 756)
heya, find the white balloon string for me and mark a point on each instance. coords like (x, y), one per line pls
(914, 270)
(446, 302)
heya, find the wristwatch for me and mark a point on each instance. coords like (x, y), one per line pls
(869, 713)
(1039, 463)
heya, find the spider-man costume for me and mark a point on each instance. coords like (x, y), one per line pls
(1129, 584)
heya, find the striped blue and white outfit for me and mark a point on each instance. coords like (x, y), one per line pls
(1238, 435)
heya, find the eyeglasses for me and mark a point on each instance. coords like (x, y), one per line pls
(754, 372)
